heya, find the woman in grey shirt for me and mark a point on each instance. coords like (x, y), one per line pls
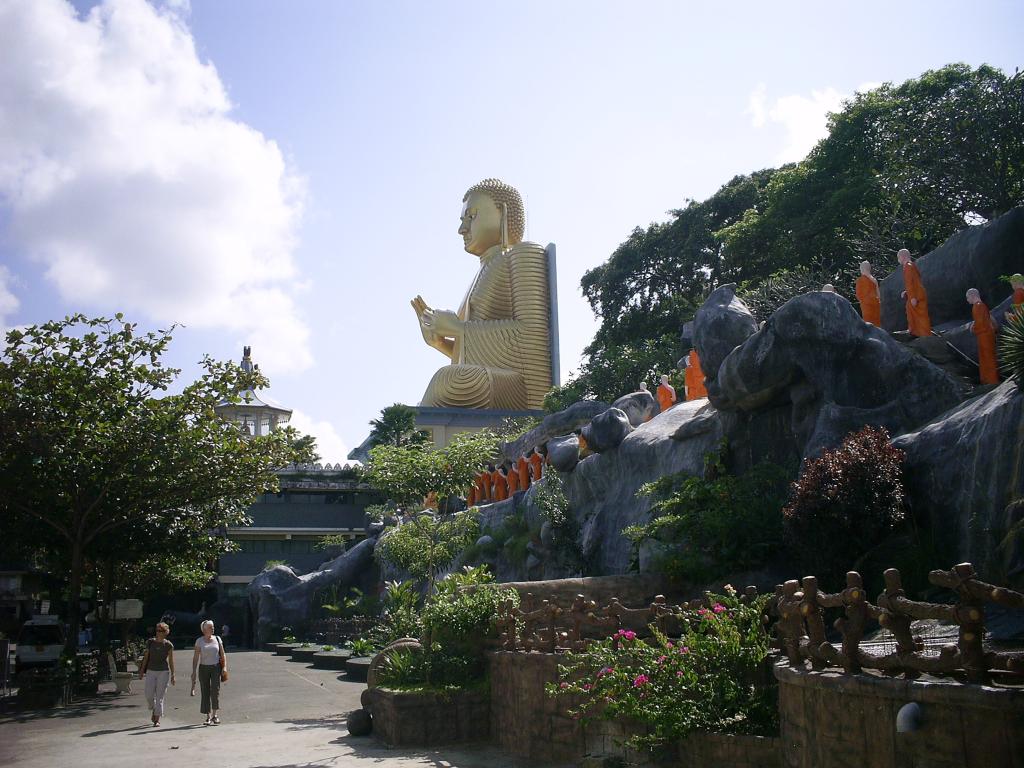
(209, 662)
(157, 670)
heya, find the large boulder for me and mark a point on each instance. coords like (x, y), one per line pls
(607, 430)
(638, 407)
(554, 425)
(564, 452)
(836, 373)
(964, 468)
(974, 257)
(721, 324)
(278, 597)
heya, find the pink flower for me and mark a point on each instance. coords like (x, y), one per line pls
(639, 681)
(684, 649)
(669, 645)
(718, 608)
(703, 611)
(626, 634)
(587, 686)
(605, 671)
(661, 659)
(563, 686)
(679, 674)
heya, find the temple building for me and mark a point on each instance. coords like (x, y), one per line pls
(314, 501)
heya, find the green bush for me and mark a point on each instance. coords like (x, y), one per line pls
(719, 523)
(363, 646)
(1011, 347)
(844, 503)
(427, 544)
(713, 678)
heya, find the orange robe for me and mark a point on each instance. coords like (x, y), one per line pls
(537, 466)
(483, 487)
(500, 486)
(523, 467)
(985, 333)
(584, 450)
(513, 481)
(918, 322)
(666, 396)
(1018, 299)
(870, 301)
(471, 497)
(695, 388)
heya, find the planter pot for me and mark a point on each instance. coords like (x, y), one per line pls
(358, 668)
(426, 718)
(123, 681)
(306, 654)
(331, 659)
(285, 649)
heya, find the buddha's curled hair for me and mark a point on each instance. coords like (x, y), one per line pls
(500, 192)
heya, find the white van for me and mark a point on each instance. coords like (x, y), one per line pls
(40, 643)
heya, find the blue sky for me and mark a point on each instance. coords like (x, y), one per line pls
(290, 174)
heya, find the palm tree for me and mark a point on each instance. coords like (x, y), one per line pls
(397, 426)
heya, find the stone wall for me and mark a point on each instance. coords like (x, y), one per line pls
(530, 724)
(833, 720)
(415, 719)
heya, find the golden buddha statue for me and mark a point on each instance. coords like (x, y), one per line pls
(498, 341)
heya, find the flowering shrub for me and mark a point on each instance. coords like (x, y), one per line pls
(712, 678)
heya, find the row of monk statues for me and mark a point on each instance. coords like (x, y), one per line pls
(499, 483)
(916, 304)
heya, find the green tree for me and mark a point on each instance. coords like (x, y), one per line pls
(427, 544)
(406, 474)
(97, 461)
(397, 426)
(302, 448)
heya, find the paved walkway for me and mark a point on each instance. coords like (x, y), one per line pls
(275, 713)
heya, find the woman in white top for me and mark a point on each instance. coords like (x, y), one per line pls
(208, 661)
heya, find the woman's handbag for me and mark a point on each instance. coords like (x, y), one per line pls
(220, 662)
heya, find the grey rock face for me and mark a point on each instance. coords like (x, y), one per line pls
(721, 324)
(964, 468)
(602, 489)
(279, 598)
(554, 425)
(564, 452)
(836, 372)
(607, 430)
(638, 407)
(974, 257)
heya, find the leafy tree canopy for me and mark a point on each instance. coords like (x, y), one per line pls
(98, 462)
(902, 166)
(397, 426)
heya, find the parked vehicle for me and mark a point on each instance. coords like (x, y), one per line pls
(40, 643)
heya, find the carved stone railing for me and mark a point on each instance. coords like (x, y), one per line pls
(542, 625)
(800, 626)
(796, 618)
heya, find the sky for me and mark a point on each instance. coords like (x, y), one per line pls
(289, 175)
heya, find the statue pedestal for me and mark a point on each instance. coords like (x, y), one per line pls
(444, 423)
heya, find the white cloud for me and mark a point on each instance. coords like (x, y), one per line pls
(803, 118)
(8, 301)
(329, 444)
(127, 178)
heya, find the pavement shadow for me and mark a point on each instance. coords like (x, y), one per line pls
(330, 722)
(78, 709)
(109, 731)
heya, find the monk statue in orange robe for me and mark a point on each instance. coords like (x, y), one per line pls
(513, 479)
(1017, 283)
(985, 333)
(523, 469)
(918, 322)
(536, 465)
(869, 296)
(500, 482)
(471, 496)
(666, 394)
(694, 377)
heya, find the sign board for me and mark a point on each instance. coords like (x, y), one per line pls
(127, 609)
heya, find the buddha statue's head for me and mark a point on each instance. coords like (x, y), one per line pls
(492, 214)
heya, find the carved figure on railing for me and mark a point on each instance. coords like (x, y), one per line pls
(858, 610)
(791, 621)
(810, 609)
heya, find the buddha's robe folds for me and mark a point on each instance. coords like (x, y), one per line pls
(870, 300)
(500, 486)
(666, 396)
(523, 468)
(536, 466)
(918, 321)
(985, 334)
(695, 388)
(502, 360)
(513, 482)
